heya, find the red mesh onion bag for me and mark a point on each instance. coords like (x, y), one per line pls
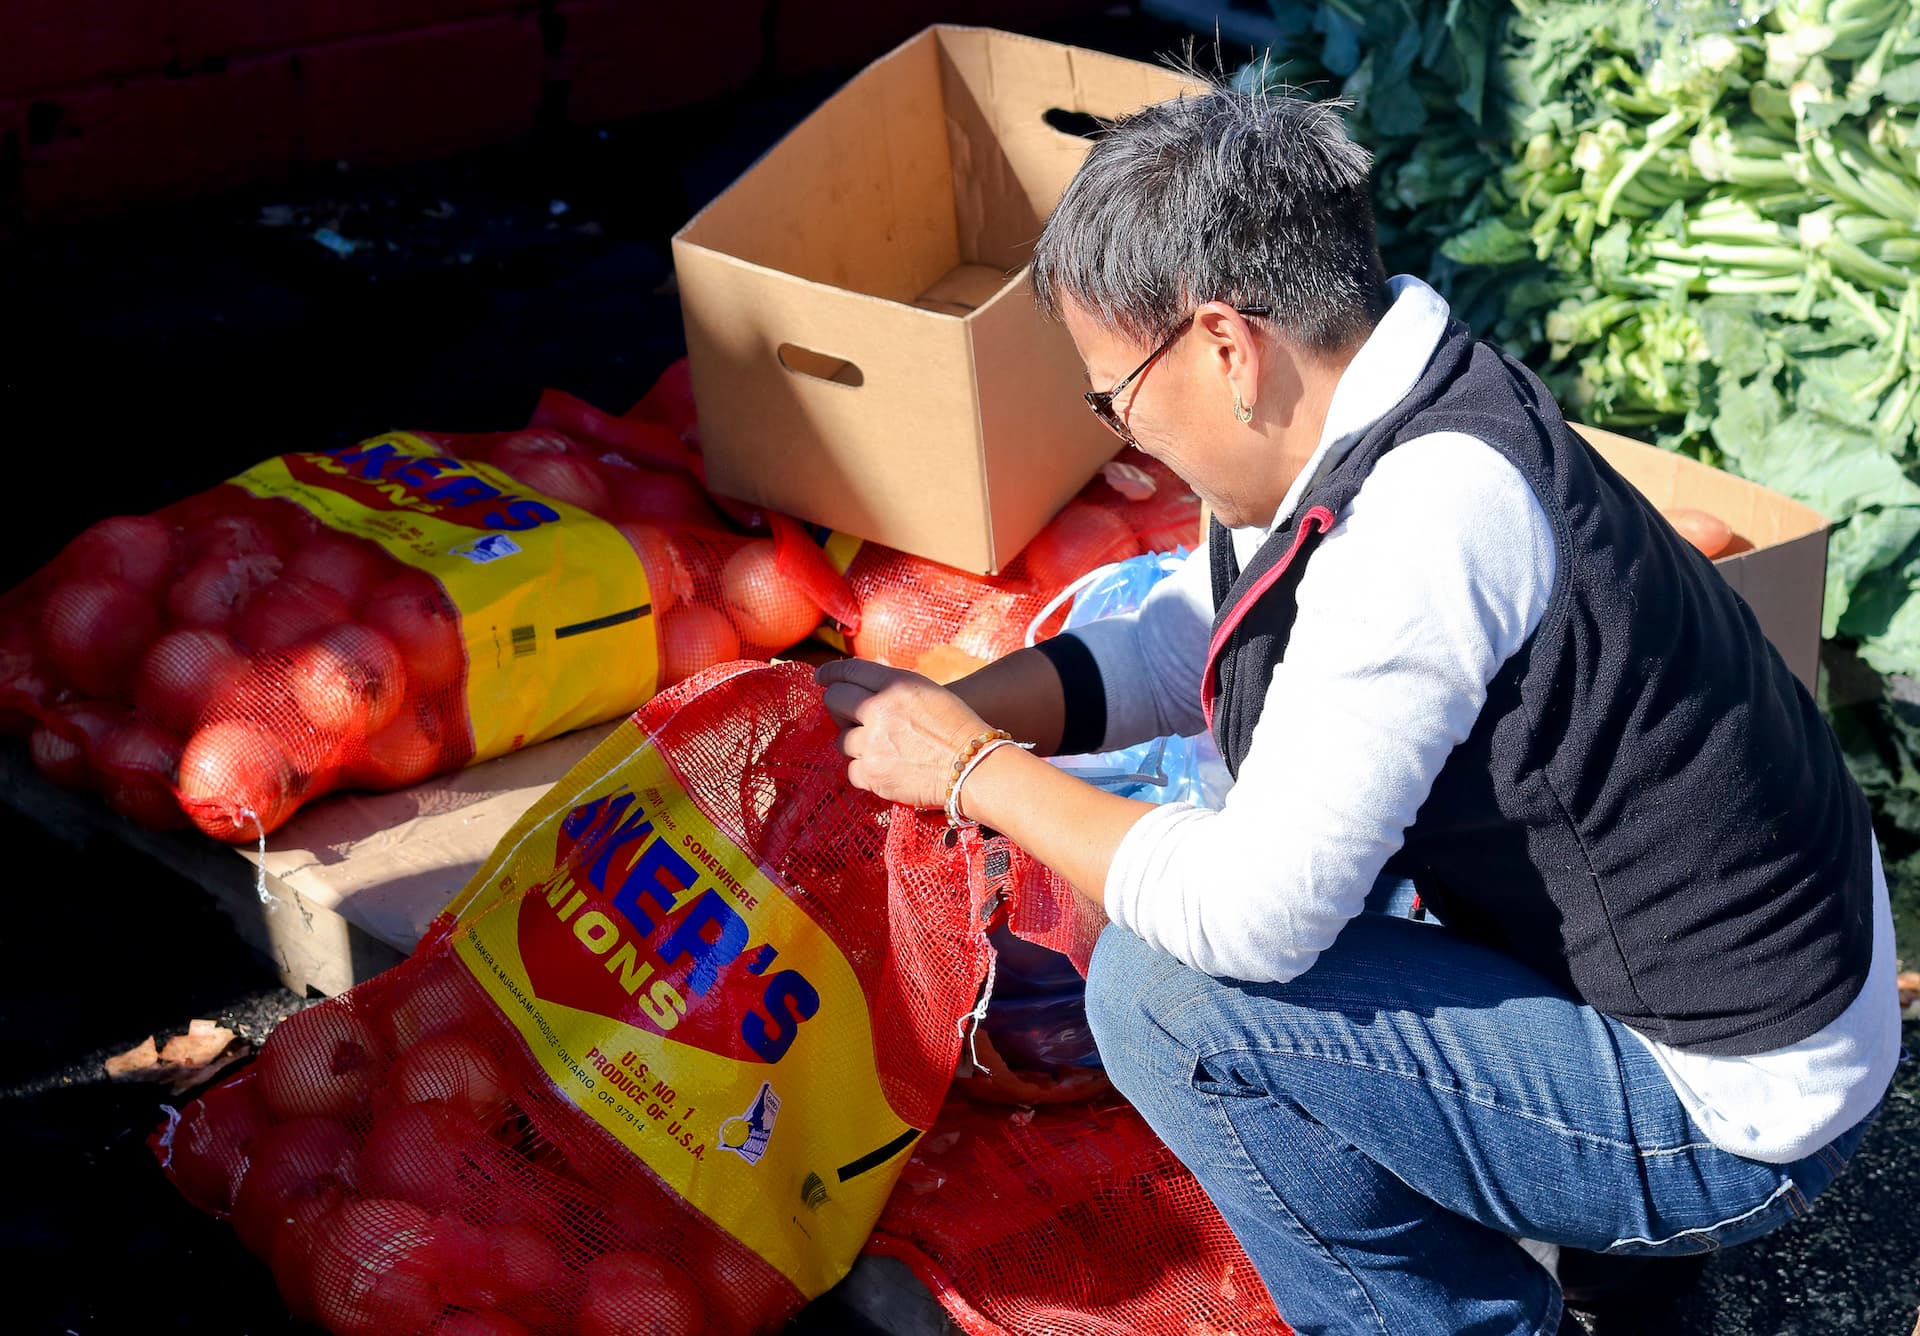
(656, 1072)
(370, 616)
(1069, 1220)
(919, 614)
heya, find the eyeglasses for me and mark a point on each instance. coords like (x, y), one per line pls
(1101, 401)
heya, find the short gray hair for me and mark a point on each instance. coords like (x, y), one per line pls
(1252, 198)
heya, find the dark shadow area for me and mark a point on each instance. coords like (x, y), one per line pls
(1076, 123)
(114, 946)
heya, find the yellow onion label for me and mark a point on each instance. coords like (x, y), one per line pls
(554, 606)
(681, 1000)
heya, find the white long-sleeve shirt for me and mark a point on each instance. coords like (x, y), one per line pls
(1436, 573)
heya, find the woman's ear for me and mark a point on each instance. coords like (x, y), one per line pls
(1234, 348)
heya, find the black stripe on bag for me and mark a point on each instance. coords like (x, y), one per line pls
(602, 623)
(873, 1159)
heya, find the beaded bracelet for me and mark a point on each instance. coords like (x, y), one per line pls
(965, 764)
(960, 763)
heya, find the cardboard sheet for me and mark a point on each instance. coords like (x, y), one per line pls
(387, 863)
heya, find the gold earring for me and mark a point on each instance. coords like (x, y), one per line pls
(1241, 412)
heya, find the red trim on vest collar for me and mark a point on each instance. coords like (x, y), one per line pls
(1317, 519)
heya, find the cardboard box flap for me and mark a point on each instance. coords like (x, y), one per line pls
(1038, 440)
(939, 154)
(1760, 516)
(1010, 164)
(964, 289)
(857, 196)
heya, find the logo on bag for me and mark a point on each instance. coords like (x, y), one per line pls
(399, 472)
(642, 928)
(493, 547)
(747, 1134)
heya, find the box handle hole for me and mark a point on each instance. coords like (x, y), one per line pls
(1076, 123)
(820, 366)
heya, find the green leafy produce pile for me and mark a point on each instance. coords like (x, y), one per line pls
(1700, 220)
(1423, 82)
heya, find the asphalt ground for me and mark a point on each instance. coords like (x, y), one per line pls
(157, 353)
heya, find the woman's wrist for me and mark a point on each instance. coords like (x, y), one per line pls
(973, 798)
(965, 757)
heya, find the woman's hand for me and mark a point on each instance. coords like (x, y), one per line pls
(901, 734)
(899, 731)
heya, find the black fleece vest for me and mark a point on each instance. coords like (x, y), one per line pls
(1649, 810)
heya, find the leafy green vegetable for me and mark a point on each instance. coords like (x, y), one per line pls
(1700, 219)
(1420, 77)
(1864, 545)
(1489, 241)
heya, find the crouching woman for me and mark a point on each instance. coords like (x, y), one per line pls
(1646, 1007)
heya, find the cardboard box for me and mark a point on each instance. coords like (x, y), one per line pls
(1779, 561)
(347, 887)
(861, 330)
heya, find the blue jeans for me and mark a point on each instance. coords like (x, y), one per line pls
(1378, 1130)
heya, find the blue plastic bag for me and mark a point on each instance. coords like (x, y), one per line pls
(1164, 770)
